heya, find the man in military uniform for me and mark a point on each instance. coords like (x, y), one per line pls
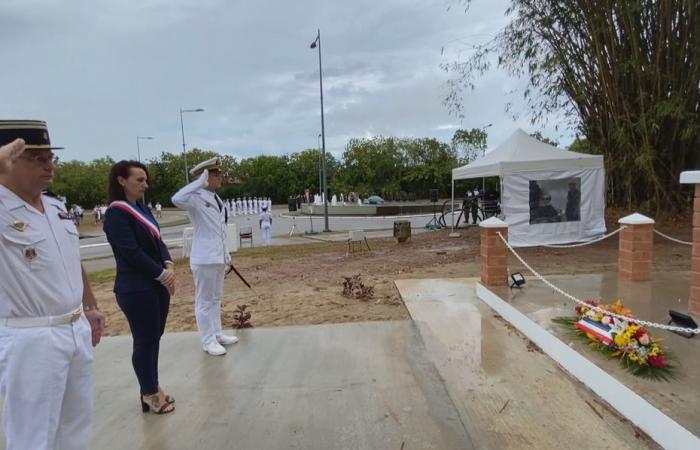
(209, 257)
(49, 319)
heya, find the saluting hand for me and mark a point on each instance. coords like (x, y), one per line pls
(9, 154)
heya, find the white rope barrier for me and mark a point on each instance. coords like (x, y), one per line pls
(596, 308)
(672, 239)
(581, 244)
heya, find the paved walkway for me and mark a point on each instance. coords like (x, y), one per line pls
(347, 386)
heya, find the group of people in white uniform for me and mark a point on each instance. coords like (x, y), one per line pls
(248, 205)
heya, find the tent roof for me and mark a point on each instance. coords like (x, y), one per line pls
(523, 153)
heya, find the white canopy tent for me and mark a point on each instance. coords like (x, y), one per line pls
(548, 195)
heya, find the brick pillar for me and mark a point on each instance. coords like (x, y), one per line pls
(494, 253)
(636, 248)
(693, 177)
(694, 299)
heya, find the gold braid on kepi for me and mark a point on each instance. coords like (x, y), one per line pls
(209, 164)
(34, 132)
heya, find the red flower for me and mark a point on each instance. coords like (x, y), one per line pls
(639, 333)
(657, 361)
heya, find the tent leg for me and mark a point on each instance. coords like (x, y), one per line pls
(452, 232)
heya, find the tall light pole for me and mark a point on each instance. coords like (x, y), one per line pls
(138, 154)
(138, 146)
(320, 165)
(314, 44)
(184, 150)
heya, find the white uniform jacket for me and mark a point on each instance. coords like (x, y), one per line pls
(208, 221)
(39, 258)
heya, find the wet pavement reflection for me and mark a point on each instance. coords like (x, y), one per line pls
(508, 393)
(649, 300)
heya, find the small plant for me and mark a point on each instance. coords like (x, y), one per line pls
(241, 317)
(354, 287)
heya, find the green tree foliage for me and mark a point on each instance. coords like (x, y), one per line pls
(305, 166)
(626, 74)
(167, 173)
(384, 166)
(583, 145)
(469, 144)
(264, 176)
(371, 166)
(540, 137)
(428, 165)
(82, 183)
(388, 166)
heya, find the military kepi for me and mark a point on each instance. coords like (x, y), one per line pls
(34, 132)
(210, 164)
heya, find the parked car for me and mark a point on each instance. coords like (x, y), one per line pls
(374, 200)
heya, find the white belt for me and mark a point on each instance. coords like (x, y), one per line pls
(48, 321)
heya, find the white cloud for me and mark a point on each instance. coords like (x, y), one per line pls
(102, 72)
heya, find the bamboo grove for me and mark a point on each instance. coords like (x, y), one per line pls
(625, 73)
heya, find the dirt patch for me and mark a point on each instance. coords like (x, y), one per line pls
(303, 284)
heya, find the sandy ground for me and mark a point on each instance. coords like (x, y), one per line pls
(303, 284)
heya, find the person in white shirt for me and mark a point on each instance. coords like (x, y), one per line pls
(159, 209)
(49, 320)
(265, 224)
(209, 256)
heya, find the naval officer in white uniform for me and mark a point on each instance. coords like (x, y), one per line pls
(49, 319)
(209, 257)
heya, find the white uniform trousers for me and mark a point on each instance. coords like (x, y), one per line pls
(46, 381)
(208, 289)
(266, 230)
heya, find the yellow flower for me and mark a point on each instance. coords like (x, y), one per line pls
(621, 340)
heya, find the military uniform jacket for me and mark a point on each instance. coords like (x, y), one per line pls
(208, 217)
(39, 258)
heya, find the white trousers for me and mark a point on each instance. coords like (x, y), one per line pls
(46, 381)
(266, 230)
(208, 288)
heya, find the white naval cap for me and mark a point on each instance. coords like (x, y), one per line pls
(209, 164)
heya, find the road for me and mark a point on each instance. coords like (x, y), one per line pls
(97, 254)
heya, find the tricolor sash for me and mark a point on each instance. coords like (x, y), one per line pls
(136, 214)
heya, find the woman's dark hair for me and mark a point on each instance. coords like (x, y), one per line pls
(115, 191)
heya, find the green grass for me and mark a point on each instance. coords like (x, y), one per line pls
(101, 276)
(183, 221)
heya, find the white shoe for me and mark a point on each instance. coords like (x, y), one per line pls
(214, 349)
(225, 339)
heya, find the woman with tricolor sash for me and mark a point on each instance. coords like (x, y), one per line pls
(145, 276)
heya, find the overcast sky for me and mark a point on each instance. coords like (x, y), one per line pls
(103, 72)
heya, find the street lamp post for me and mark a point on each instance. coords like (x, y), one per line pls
(184, 150)
(138, 146)
(317, 43)
(138, 155)
(320, 165)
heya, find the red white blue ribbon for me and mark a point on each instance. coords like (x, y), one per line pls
(136, 214)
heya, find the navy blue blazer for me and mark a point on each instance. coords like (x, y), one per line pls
(140, 257)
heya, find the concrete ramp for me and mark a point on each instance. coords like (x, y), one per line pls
(508, 393)
(346, 386)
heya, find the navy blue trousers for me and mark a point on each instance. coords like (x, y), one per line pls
(146, 312)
